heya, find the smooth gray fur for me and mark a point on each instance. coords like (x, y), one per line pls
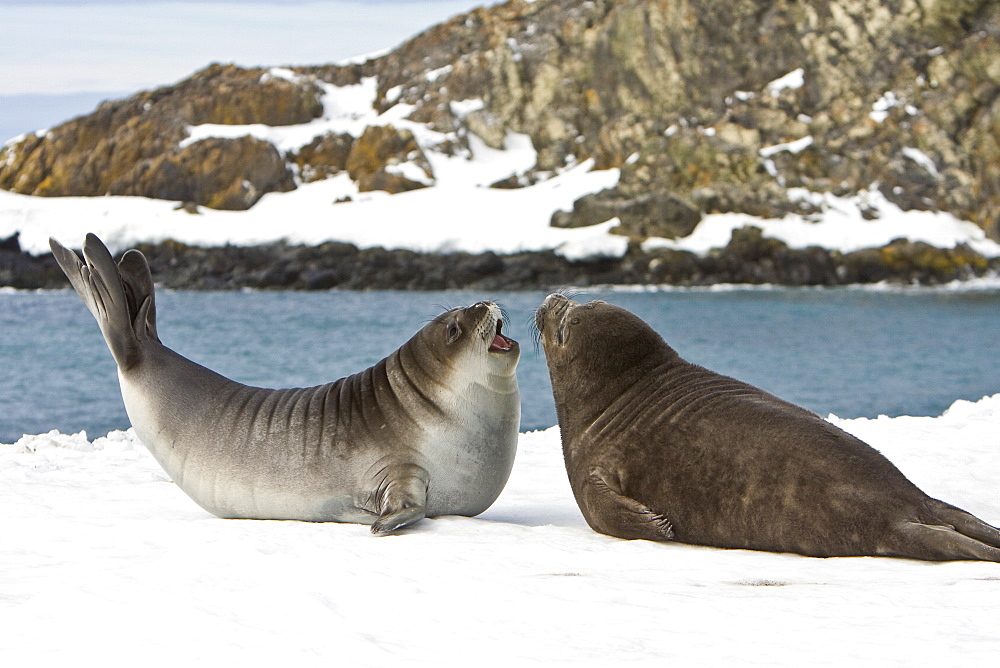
(429, 430)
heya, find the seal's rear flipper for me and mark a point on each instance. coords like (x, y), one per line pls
(968, 524)
(103, 290)
(74, 269)
(943, 543)
(610, 512)
(138, 281)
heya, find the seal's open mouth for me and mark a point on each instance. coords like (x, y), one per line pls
(500, 343)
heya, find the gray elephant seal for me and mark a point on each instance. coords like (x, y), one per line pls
(662, 449)
(430, 430)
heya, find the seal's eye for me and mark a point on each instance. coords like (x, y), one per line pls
(454, 331)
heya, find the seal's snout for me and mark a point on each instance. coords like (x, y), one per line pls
(555, 305)
(557, 299)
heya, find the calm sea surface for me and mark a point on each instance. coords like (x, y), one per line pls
(850, 352)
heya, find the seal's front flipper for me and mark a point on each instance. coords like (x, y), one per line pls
(397, 520)
(401, 498)
(609, 511)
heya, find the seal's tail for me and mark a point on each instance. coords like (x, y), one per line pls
(119, 296)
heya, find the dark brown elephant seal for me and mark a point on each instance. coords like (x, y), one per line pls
(662, 449)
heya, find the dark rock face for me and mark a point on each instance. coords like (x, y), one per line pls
(656, 214)
(705, 106)
(748, 258)
(27, 272)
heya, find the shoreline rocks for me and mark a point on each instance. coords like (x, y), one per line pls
(749, 258)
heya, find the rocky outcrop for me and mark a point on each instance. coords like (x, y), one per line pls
(27, 272)
(220, 173)
(721, 105)
(134, 146)
(380, 151)
(323, 157)
(704, 105)
(657, 214)
(748, 258)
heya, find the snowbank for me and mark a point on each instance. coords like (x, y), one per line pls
(841, 226)
(104, 557)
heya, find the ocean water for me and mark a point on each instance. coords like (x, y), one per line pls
(850, 352)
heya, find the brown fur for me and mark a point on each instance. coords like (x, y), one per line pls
(659, 448)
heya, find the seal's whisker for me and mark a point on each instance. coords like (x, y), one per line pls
(536, 334)
(536, 340)
(503, 312)
(570, 292)
(532, 320)
(445, 310)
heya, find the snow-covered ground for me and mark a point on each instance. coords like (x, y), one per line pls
(104, 559)
(459, 212)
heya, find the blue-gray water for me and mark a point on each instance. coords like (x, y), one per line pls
(849, 352)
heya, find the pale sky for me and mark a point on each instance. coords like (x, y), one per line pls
(59, 57)
(73, 46)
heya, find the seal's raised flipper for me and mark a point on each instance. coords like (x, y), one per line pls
(401, 498)
(138, 281)
(74, 269)
(620, 515)
(98, 282)
(943, 543)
